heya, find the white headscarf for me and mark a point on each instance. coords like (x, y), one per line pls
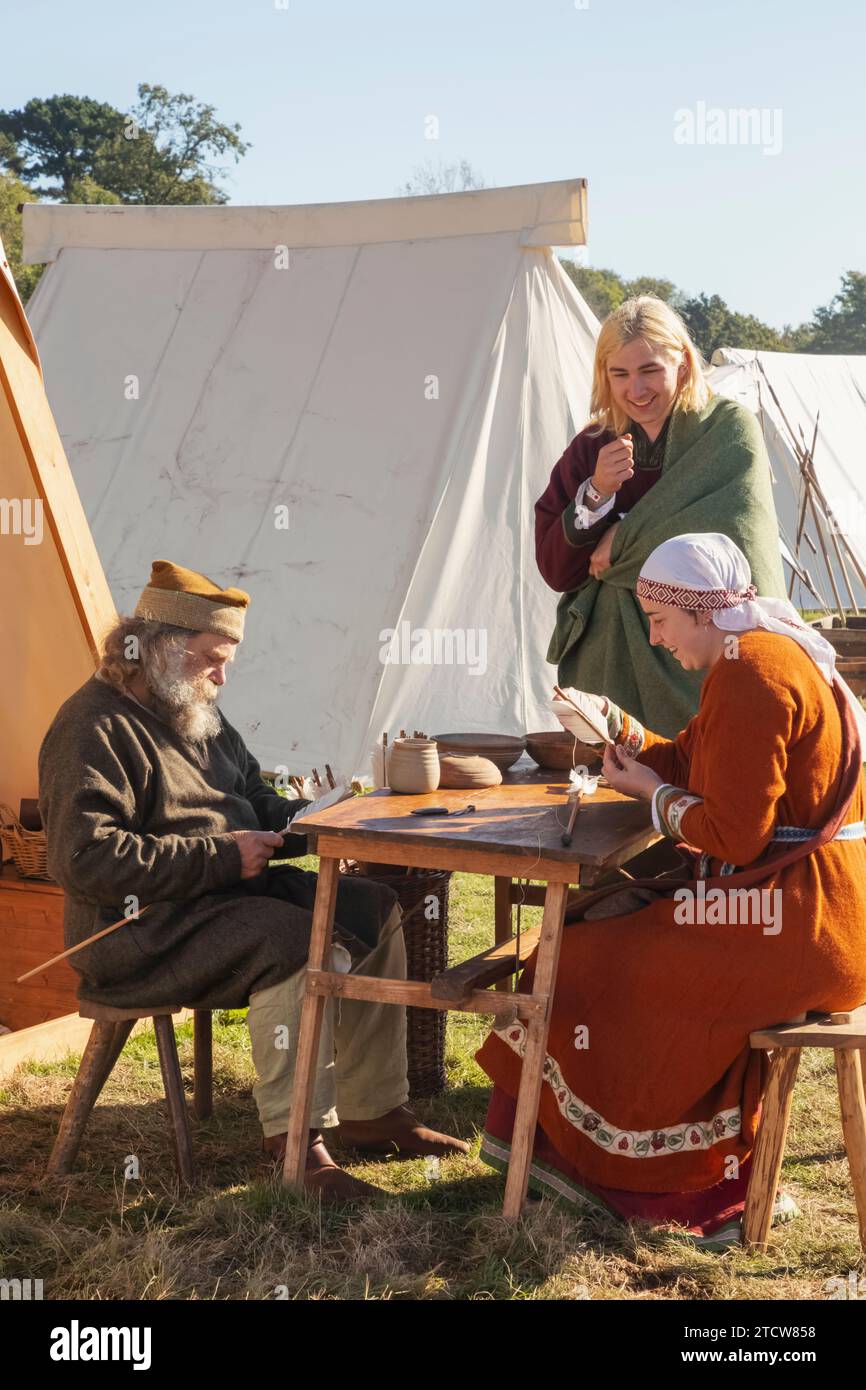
(706, 571)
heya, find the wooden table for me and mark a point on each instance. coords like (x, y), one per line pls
(514, 833)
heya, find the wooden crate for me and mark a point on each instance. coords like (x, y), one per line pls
(42, 1012)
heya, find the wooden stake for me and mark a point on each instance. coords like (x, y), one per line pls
(808, 467)
(330, 776)
(834, 586)
(106, 931)
(805, 459)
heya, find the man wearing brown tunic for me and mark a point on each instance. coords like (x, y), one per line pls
(150, 797)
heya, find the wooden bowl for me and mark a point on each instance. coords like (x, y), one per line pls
(457, 770)
(501, 749)
(560, 750)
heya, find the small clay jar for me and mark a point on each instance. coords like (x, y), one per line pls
(413, 766)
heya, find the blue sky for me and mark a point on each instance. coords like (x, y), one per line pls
(333, 97)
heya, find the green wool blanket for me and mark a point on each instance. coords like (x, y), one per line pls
(715, 477)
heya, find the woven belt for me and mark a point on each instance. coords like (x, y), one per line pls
(795, 834)
(789, 834)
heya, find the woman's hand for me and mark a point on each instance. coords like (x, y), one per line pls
(628, 776)
(599, 560)
(571, 721)
(614, 465)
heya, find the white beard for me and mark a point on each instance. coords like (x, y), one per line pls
(187, 705)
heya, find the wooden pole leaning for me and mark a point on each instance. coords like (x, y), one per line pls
(529, 1094)
(312, 1011)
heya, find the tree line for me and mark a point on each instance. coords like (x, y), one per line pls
(839, 326)
(170, 148)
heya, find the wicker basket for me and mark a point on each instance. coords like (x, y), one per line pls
(26, 848)
(426, 956)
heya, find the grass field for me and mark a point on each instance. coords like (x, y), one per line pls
(439, 1235)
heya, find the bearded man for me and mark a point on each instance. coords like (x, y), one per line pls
(149, 796)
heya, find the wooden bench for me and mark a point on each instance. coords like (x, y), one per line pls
(845, 1033)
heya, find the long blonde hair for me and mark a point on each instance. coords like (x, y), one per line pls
(658, 324)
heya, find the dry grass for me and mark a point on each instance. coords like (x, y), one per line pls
(241, 1237)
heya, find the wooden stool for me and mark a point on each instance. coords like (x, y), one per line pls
(846, 1034)
(111, 1028)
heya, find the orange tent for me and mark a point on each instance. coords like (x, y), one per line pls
(55, 599)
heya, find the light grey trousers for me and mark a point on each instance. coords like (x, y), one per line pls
(361, 1069)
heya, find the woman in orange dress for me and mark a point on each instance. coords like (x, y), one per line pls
(651, 1094)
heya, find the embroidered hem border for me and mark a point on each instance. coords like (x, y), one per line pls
(689, 1137)
(546, 1181)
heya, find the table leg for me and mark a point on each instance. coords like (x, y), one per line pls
(529, 1094)
(502, 920)
(311, 1025)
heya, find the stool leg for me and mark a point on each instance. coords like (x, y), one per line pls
(104, 1046)
(853, 1108)
(202, 1091)
(166, 1046)
(770, 1147)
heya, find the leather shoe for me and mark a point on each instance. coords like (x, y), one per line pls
(322, 1177)
(399, 1133)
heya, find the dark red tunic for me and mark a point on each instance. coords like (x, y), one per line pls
(563, 552)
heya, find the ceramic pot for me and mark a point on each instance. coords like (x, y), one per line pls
(561, 750)
(501, 749)
(413, 766)
(459, 772)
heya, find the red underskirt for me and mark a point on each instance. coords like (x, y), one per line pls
(702, 1213)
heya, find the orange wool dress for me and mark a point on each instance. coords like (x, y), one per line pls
(662, 1090)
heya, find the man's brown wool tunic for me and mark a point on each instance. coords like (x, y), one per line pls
(131, 808)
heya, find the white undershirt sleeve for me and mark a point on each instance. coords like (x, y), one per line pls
(583, 516)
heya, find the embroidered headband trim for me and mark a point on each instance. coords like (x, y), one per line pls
(702, 600)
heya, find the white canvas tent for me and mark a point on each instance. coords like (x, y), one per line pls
(787, 391)
(395, 379)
